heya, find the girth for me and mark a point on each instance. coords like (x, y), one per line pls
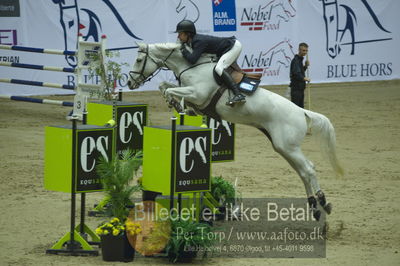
(210, 110)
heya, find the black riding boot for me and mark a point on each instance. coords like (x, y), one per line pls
(228, 81)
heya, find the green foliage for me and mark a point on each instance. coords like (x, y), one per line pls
(223, 191)
(186, 234)
(116, 176)
(108, 70)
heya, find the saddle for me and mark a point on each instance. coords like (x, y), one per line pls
(247, 82)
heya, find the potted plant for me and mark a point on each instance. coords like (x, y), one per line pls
(117, 179)
(116, 176)
(187, 237)
(224, 192)
(114, 242)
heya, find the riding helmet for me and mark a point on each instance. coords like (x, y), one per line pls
(186, 26)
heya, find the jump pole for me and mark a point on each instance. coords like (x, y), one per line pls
(37, 50)
(38, 83)
(35, 100)
(39, 67)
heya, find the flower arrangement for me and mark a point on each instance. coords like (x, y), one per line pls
(114, 227)
(132, 228)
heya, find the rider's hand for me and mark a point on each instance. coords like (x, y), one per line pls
(183, 47)
(307, 79)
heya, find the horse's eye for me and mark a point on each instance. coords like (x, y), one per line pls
(139, 60)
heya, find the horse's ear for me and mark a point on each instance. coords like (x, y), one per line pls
(141, 46)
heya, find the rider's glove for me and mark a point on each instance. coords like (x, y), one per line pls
(183, 48)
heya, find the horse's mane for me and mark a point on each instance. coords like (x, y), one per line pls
(170, 46)
(166, 46)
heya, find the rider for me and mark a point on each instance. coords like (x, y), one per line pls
(227, 50)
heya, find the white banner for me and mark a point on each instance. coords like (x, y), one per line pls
(349, 40)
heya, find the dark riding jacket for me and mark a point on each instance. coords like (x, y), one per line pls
(297, 73)
(207, 44)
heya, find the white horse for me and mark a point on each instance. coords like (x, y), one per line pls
(284, 123)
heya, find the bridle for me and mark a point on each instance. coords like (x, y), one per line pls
(142, 78)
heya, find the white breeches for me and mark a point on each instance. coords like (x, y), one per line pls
(228, 58)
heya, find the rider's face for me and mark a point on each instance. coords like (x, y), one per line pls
(303, 51)
(183, 37)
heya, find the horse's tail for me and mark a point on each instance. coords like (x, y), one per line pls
(322, 127)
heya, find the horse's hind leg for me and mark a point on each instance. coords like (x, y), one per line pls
(327, 206)
(306, 171)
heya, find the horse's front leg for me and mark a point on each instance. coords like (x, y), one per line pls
(189, 93)
(164, 86)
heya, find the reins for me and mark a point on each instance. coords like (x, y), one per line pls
(143, 78)
(193, 66)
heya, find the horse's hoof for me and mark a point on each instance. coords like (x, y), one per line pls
(327, 208)
(317, 214)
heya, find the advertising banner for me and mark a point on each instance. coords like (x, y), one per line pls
(349, 40)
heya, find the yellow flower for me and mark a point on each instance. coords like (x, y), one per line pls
(99, 231)
(115, 232)
(133, 228)
(121, 227)
(115, 220)
(105, 232)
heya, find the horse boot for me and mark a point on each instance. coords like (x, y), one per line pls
(312, 202)
(324, 204)
(177, 106)
(230, 83)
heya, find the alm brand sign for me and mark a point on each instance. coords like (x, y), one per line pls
(91, 145)
(222, 140)
(193, 161)
(131, 121)
(224, 15)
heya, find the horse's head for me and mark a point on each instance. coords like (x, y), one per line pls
(143, 68)
(331, 18)
(152, 57)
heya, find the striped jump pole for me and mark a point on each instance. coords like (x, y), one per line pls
(35, 100)
(38, 83)
(39, 67)
(36, 50)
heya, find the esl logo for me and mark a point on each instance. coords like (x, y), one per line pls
(224, 15)
(193, 161)
(131, 122)
(222, 139)
(92, 145)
